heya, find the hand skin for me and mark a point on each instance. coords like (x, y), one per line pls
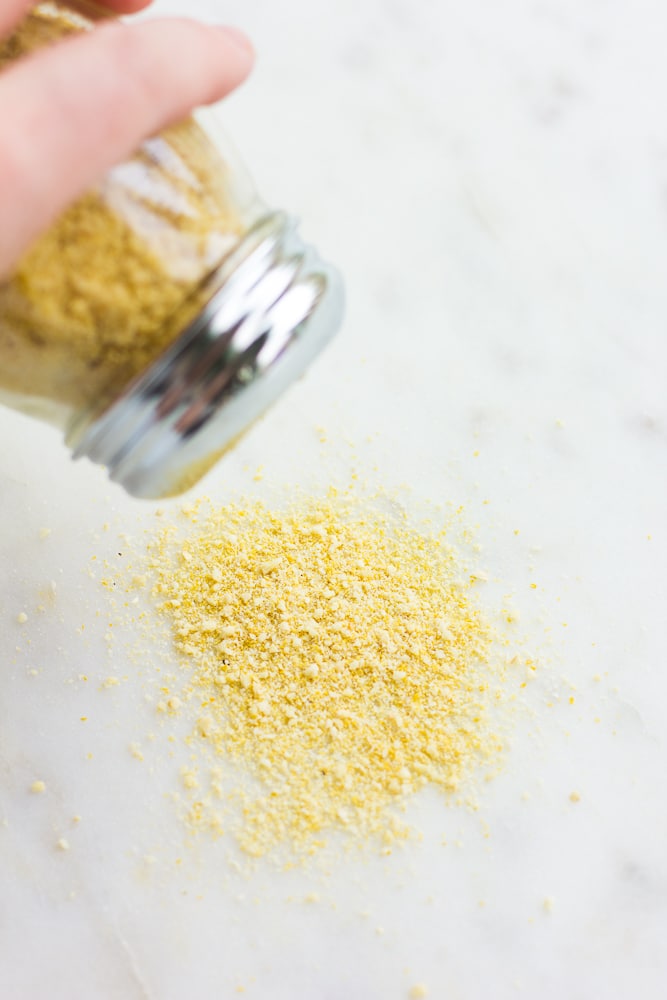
(69, 112)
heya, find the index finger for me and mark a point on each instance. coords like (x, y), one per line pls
(69, 113)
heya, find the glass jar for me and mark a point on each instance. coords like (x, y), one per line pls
(164, 310)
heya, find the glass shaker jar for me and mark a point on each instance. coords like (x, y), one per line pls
(165, 310)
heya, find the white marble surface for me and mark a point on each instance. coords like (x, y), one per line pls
(492, 177)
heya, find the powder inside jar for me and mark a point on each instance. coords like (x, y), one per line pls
(115, 279)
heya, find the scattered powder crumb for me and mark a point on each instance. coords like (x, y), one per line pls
(76, 818)
(189, 778)
(110, 682)
(48, 595)
(63, 844)
(340, 659)
(312, 897)
(38, 787)
(206, 726)
(548, 904)
(418, 992)
(44, 532)
(22, 618)
(575, 797)
(136, 751)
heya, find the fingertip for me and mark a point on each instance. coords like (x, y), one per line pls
(239, 39)
(107, 90)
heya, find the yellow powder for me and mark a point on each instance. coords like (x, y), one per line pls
(115, 279)
(336, 658)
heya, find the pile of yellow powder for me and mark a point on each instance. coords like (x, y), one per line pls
(337, 663)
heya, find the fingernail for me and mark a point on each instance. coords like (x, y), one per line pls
(237, 37)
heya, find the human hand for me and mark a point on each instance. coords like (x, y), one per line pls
(71, 111)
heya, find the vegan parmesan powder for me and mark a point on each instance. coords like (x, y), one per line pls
(335, 662)
(108, 287)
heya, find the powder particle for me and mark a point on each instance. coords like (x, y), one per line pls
(63, 844)
(341, 659)
(189, 778)
(48, 595)
(575, 797)
(38, 787)
(548, 904)
(22, 618)
(418, 992)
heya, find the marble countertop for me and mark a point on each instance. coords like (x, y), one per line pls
(492, 179)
